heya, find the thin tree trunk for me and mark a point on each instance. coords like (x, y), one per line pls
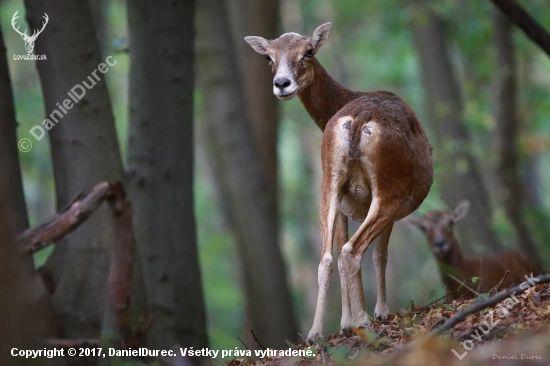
(160, 167)
(242, 180)
(85, 151)
(512, 191)
(253, 17)
(460, 177)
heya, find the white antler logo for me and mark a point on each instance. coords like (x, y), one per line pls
(29, 40)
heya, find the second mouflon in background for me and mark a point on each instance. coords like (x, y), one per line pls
(455, 267)
(377, 167)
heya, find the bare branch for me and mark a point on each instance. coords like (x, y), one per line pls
(528, 24)
(461, 314)
(257, 340)
(63, 223)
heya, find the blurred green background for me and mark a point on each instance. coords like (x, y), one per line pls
(370, 48)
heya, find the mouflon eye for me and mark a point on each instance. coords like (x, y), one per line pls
(309, 53)
(423, 228)
(267, 58)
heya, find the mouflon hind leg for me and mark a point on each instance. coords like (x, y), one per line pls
(380, 258)
(381, 216)
(341, 239)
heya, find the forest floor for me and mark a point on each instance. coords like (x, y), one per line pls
(512, 332)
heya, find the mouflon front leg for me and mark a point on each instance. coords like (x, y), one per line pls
(330, 208)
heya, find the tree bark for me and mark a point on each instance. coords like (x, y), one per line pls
(85, 151)
(160, 168)
(242, 180)
(98, 8)
(512, 192)
(20, 322)
(460, 179)
(252, 17)
(9, 154)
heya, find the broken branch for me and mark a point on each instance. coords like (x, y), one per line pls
(63, 223)
(461, 314)
(528, 24)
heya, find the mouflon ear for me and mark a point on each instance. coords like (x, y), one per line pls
(320, 35)
(461, 210)
(412, 222)
(259, 44)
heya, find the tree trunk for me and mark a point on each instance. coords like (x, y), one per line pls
(512, 191)
(98, 8)
(9, 154)
(252, 17)
(160, 167)
(85, 151)
(460, 177)
(20, 321)
(242, 180)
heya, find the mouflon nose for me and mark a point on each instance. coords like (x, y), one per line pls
(281, 83)
(440, 243)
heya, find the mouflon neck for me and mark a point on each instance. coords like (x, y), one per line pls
(324, 96)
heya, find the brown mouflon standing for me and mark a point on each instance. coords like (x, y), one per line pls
(438, 226)
(377, 166)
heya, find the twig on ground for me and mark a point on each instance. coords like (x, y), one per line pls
(245, 346)
(323, 356)
(257, 340)
(354, 344)
(495, 290)
(461, 314)
(378, 335)
(463, 283)
(439, 321)
(442, 297)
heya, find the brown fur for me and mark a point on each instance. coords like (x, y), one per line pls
(438, 226)
(376, 159)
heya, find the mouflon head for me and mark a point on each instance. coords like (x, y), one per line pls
(291, 59)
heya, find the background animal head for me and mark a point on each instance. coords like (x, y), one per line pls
(438, 226)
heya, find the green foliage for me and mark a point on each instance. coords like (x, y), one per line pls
(339, 354)
(313, 350)
(482, 297)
